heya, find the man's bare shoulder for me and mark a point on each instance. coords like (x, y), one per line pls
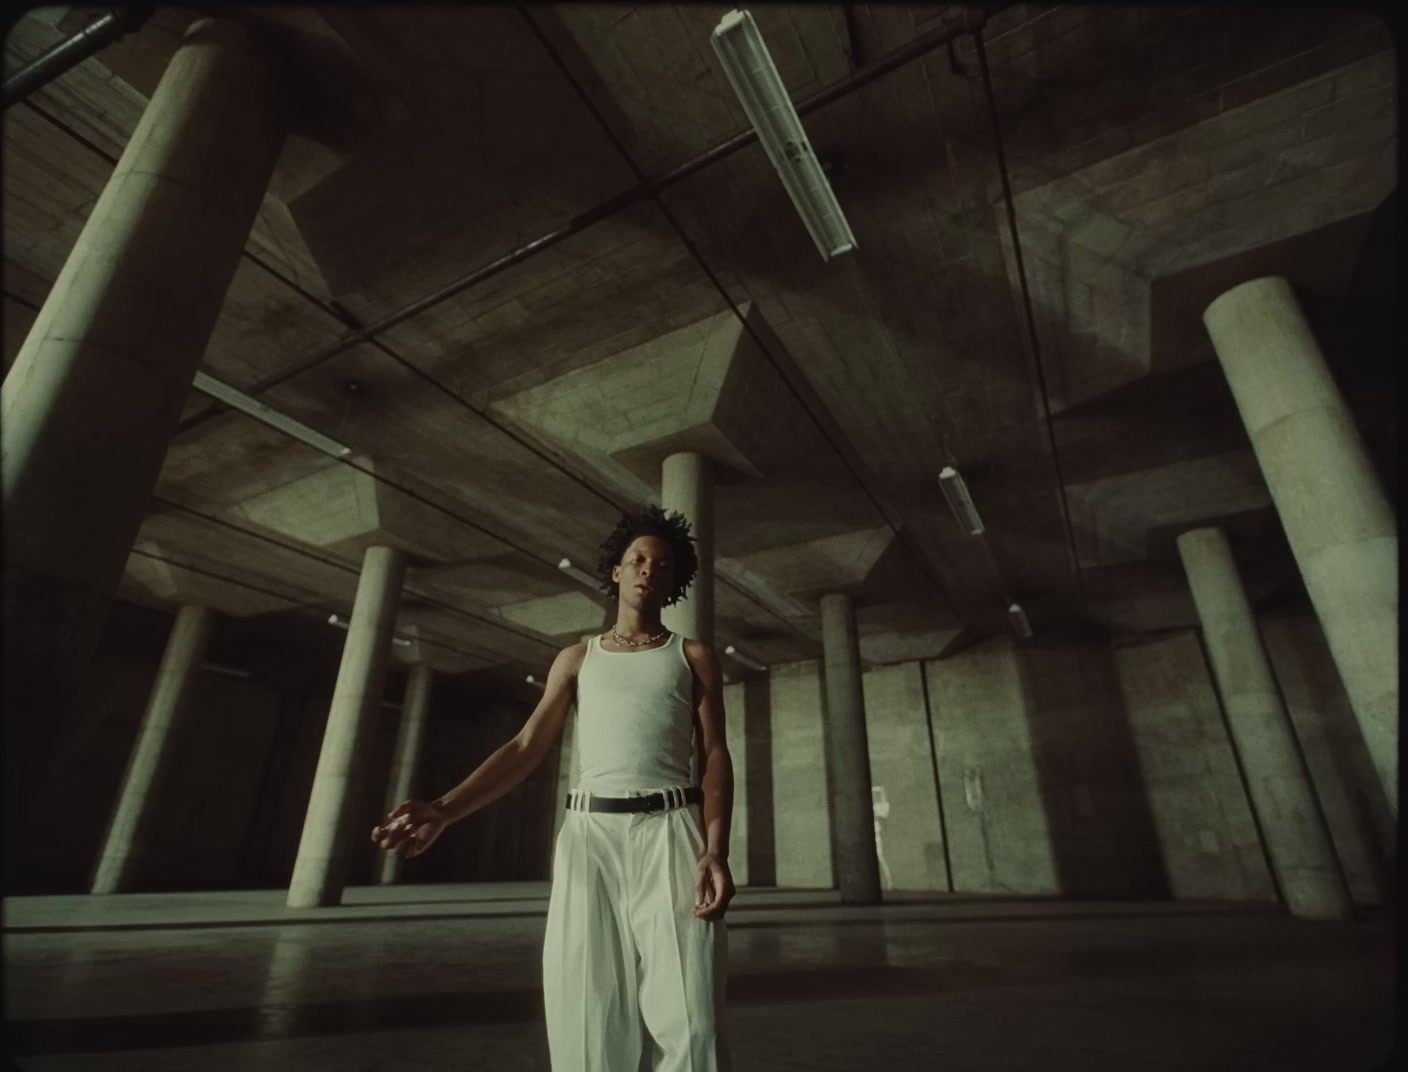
(699, 653)
(570, 658)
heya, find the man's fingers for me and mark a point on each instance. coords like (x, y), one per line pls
(391, 836)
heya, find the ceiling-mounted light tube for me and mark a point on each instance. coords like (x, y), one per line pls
(223, 392)
(737, 655)
(959, 501)
(534, 681)
(333, 619)
(230, 671)
(1020, 624)
(580, 575)
(754, 77)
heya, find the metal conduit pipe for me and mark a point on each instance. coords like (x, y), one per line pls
(68, 54)
(971, 23)
(1035, 347)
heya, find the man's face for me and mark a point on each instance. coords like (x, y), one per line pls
(646, 575)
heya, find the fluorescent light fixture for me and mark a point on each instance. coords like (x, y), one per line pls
(220, 668)
(333, 619)
(745, 660)
(959, 501)
(223, 392)
(764, 98)
(1019, 620)
(580, 575)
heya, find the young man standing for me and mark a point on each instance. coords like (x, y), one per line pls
(640, 878)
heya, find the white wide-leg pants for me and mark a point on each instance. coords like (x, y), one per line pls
(624, 950)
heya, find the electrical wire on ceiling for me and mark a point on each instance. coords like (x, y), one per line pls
(646, 188)
(972, 23)
(337, 311)
(991, 100)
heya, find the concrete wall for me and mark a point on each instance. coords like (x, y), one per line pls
(86, 776)
(1207, 837)
(206, 804)
(1093, 795)
(999, 839)
(902, 763)
(511, 839)
(285, 785)
(1080, 769)
(801, 823)
(229, 809)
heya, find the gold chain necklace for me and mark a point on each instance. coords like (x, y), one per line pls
(636, 643)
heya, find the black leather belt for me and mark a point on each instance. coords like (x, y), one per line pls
(662, 801)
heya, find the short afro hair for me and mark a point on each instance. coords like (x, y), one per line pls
(650, 520)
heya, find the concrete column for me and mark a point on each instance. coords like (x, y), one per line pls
(687, 486)
(848, 755)
(175, 680)
(1332, 507)
(319, 872)
(96, 391)
(405, 760)
(1297, 842)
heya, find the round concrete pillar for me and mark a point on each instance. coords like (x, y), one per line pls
(848, 755)
(1297, 842)
(687, 486)
(175, 681)
(96, 391)
(1332, 507)
(319, 872)
(405, 759)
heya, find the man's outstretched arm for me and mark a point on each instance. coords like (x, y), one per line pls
(414, 825)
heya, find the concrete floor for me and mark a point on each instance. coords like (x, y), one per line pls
(447, 977)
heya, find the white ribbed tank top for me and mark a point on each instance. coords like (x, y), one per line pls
(635, 718)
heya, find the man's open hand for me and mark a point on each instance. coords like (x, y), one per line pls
(410, 829)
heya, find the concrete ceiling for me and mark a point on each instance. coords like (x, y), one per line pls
(1157, 156)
